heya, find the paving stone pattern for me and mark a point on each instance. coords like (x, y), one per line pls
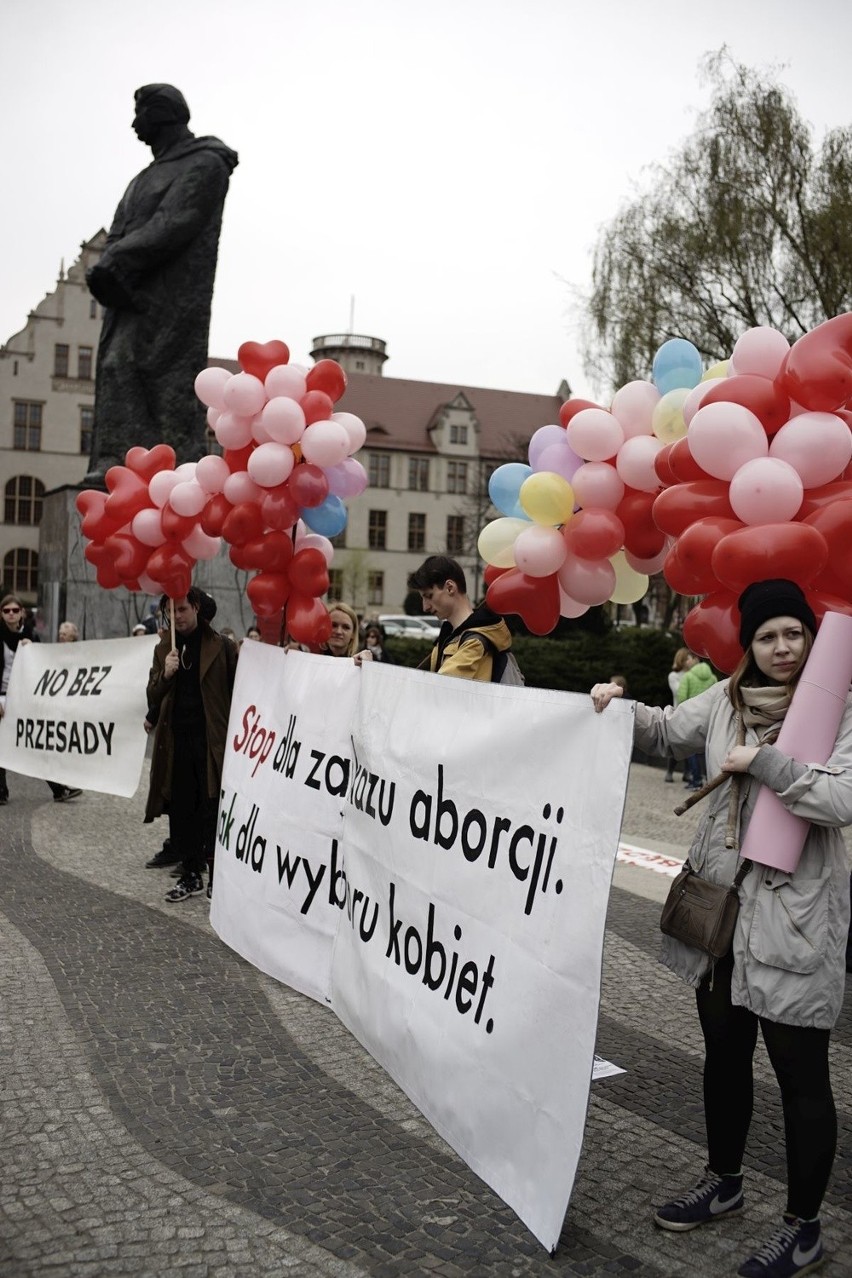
(166, 1109)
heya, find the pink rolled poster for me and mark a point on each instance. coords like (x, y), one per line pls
(775, 835)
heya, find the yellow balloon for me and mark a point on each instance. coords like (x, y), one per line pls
(547, 498)
(715, 371)
(667, 418)
(496, 542)
(630, 585)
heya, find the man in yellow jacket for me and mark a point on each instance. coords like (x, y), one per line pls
(470, 638)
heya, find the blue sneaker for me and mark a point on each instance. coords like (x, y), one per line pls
(711, 1199)
(795, 1249)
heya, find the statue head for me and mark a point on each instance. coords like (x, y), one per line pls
(159, 107)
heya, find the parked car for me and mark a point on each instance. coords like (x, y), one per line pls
(401, 626)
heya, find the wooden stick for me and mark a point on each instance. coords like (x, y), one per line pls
(698, 795)
(172, 623)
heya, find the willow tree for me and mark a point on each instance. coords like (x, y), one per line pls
(749, 223)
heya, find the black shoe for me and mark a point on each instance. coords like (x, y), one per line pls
(177, 871)
(165, 856)
(712, 1198)
(210, 890)
(65, 794)
(189, 885)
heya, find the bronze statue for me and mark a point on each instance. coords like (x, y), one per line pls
(155, 279)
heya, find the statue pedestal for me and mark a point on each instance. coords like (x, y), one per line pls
(68, 588)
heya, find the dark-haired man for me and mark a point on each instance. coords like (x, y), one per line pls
(189, 691)
(469, 637)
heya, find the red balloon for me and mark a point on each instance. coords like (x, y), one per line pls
(258, 358)
(682, 463)
(237, 458)
(572, 407)
(642, 537)
(243, 523)
(308, 620)
(835, 524)
(308, 485)
(827, 495)
(95, 524)
(177, 527)
(308, 572)
(594, 534)
(795, 551)
(327, 376)
(268, 592)
(534, 599)
(170, 566)
(271, 627)
(678, 507)
(244, 558)
(129, 556)
(712, 630)
(270, 553)
(147, 462)
(817, 370)
(823, 603)
(662, 466)
(760, 396)
(491, 573)
(690, 571)
(101, 560)
(317, 407)
(214, 515)
(128, 494)
(279, 509)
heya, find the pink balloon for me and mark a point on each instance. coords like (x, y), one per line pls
(147, 527)
(232, 431)
(185, 471)
(285, 379)
(213, 415)
(244, 394)
(210, 386)
(595, 434)
(559, 459)
(539, 551)
(347, 479)
(200, 546)
(270, 464)
(317, 542)
(325, 443)
(760, 351)
(211, 472)
(817, 445)
(259, 433)
(586, 580)
(188, 498)
(355, 429)
(241, 487)
(569, 607)
(633, 407)
(148, 584)
(648, 566)
(766, 491)
(635, 462)
(283, 420)
(597, 484)
(695, 398)
(543, 438)
(161, 485)
(722, 437)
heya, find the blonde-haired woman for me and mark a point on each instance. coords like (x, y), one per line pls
(343, 640)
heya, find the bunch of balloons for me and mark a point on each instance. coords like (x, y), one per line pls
(275, 495)
(719, 478)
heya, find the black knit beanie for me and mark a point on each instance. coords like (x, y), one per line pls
(764, 600)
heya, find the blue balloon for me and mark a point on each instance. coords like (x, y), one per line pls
(329, 518)
(677, 364)
(505, 485)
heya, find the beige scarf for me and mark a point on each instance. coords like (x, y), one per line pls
(765, 709)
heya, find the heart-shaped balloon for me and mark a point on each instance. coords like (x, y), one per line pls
(146, 462)
(308, 620)
(327, 376)
(267, 593)
(128, 494)
(243, 523)
(129, 556)
(258, 358)
(214, 514)
(170, 565)
(95, 523)
(308, 573)
(177, 527)
(534, 599)
(308, 486)
(101, 560)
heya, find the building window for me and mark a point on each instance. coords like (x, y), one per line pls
(416, 532)
(379, 473)
(87, 429)
(27, 425)
(455, 534)
(84, 363)
(60, 360)
(458, 434)
(20, 571)
(93, 309)
(377, 530)
(375, 587)
(418, 474)
(23, 500)
(339, 542)
(335, 584)
(456, 477)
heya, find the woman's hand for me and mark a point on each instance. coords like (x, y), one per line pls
(362, 656)
(603, 693)
(738, 758)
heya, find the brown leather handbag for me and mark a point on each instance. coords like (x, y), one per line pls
(702, 914)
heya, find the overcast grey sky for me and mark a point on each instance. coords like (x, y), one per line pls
(446, 163)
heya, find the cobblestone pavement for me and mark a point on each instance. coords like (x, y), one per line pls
(166, 1109)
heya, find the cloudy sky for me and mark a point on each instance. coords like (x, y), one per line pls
(447, 164)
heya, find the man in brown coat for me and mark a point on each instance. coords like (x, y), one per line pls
(189, 693)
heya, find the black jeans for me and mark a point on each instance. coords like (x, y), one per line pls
(192, 813)
(55, 787)
(799, 1057)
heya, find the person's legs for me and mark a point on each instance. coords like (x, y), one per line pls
(730, 1035)
(4, 789)
(187, 808)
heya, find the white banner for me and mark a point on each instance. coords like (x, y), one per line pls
(74, 713)
(467, 882)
